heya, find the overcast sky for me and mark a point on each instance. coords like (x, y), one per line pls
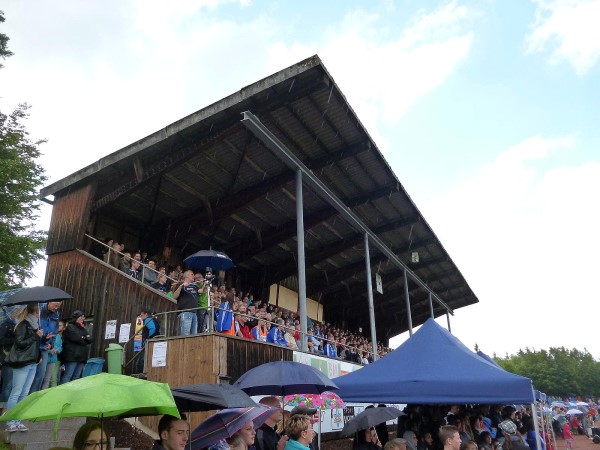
(487, 110)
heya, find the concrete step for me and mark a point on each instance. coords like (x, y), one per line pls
(41, 434)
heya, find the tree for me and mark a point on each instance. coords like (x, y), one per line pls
(4, 52)
(21, 245)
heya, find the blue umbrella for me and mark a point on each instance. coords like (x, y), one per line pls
(226, 423)
(209, 258)
(284, 378)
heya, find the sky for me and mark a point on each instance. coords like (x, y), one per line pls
(487, 111)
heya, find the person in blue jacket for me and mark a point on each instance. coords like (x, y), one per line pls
(276, 335)
(49, 317)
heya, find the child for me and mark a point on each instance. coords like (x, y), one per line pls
(50, 378)
(567, 435)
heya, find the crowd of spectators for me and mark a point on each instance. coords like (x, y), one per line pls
(236, 312)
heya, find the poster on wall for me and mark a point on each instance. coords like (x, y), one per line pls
(137, 340)
(159, 354)
(337, 419)
(111, 329)
(124, 333)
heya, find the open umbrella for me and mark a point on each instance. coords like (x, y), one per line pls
(324, 400)
(209, 258)
(369, 418)
(559, 404)
(38, 294)
(206, 397)
(284, 378)
(574, 411)
(102, 395)
(225, 423)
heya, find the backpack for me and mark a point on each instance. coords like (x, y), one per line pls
(156, 327)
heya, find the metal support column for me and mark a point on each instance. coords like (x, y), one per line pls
(431, 306)
(370, 298)
(301, 262)
(408, 314)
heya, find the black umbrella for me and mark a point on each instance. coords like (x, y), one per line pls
(284, 378)
(38, 294)
(369, 418)
(209, 258)
(206, 397)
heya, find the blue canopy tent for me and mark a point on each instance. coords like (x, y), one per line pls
(434, 367)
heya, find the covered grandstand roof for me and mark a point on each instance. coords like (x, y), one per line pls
(207, 181)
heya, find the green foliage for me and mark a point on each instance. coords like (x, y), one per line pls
(21, 245)
(4, 52)
(558, 371)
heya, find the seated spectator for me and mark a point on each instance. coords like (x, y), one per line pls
(426, 442)
(395, 444)
(241, 329)
(276, 334)
(224, 322)
(329, 349)
(134, 270)
(289, 337)
(259, 332)
(161, 284)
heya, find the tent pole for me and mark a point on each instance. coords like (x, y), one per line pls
(301, 261)
(536, 426)
(370, 298)
(408, 314)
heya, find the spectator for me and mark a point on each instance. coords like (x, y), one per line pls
(75, 347)
(186, 294)
(149, 273)
(149, 330)
(52, 365)
(7, 339)
(276, 334)
(125, 263)
(134, 270)
(241, 329)
(161, 284)
(49, 317)
(259, 332)
(173, 433)
(24, 356)
(224, 322)
(91, 436)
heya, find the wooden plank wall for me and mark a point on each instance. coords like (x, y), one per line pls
(70, 216)
(209, 358)
(100, 290)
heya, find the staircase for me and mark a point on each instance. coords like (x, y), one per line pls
(41, 435)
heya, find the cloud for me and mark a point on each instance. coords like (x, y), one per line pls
(569, 30)
(384, 72)
(522, 231)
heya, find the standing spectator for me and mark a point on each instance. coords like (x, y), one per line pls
(49, 317)
(186, 294)
(149, 273)
(125, 263)
(51, 366)
(7, 339)
(75, 347)
(24, 356)
(566, 432)
(149, 330)
(203, 286)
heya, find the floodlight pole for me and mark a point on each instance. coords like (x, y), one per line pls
(301, 262)
(406, 296)
(370, 298)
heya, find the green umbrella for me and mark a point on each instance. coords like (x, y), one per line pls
(102, 395)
